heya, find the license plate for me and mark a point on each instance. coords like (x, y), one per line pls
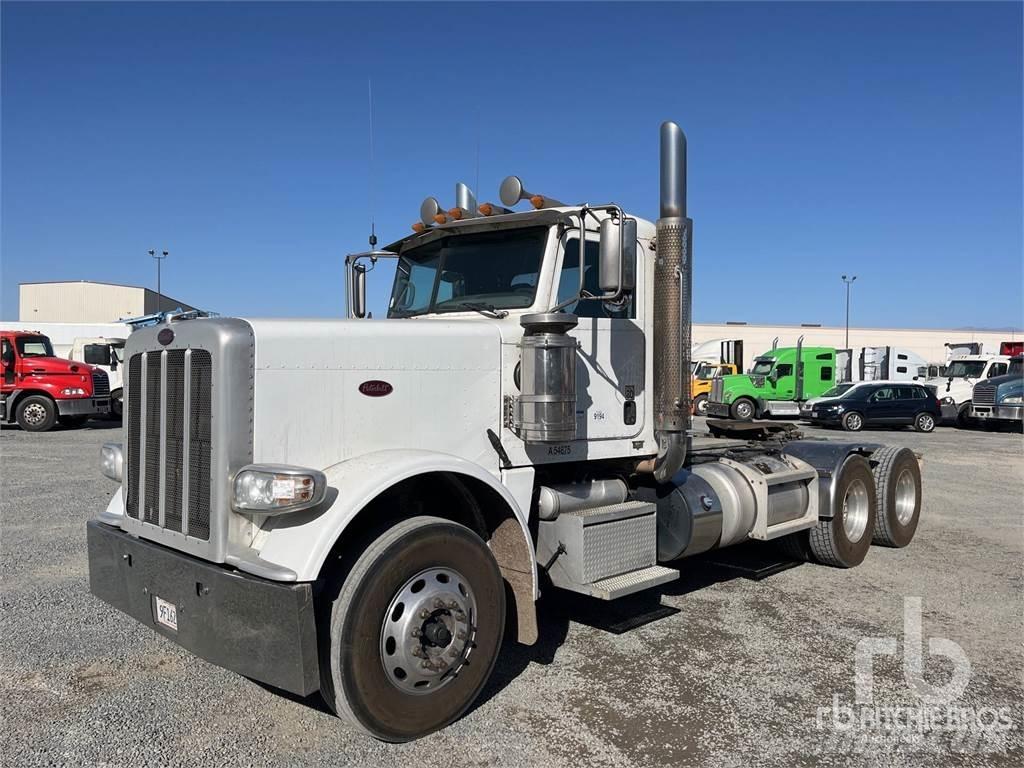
(166, 613)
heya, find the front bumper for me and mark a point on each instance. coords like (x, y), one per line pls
(264, 630)
(720, 410)
(83, 406)
(998, 412)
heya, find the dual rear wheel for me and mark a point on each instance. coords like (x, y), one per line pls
(876, 502)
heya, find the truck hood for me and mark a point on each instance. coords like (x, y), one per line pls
(54, 366)
(328, 390)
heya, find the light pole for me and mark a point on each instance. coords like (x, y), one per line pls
(159, 257)
(849, 282)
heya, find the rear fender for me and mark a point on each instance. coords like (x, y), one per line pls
(827, 459)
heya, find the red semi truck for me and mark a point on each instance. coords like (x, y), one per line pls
(40, 390)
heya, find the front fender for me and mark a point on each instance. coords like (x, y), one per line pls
(302, 542)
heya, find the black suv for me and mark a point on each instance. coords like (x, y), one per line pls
(880, 405)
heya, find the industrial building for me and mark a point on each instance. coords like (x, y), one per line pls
(929, 344)
(83, 301)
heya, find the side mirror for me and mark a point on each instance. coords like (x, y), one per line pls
(614, 261)
(359, 291)
(773, 375)
(113, 361)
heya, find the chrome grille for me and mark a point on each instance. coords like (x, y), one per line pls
(100, 384)
(168, 417)
(717, 386)
(985, 394)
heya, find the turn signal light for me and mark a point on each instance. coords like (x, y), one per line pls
(537, 201)
(440, 218)
(418, 227)
(486, 209)
(455, 213)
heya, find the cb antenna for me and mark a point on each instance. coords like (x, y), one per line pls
(369, 191)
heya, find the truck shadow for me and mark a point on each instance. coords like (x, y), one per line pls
(557, 609)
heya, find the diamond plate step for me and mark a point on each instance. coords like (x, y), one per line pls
(628, 583)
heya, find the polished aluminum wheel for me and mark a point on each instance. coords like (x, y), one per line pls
(34, 414)
(428, 631)
(906, 497)
(925, 422)
(854, 422)
(855, 511)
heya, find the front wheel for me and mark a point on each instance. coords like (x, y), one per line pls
(924, 422)
(853, 422)
(415, 630)
(36, 413)
(700, 405)
(743, 409)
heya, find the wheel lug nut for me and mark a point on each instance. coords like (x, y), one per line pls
(461, 634)
(424, 614)
(416, 632)
(424, 665)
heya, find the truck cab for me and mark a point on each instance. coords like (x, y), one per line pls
(1001, 398)
(955, 388)
(776, 384)
(356, 506)
(107, 355)
(39, 389)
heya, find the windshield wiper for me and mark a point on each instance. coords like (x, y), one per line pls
(477, 306)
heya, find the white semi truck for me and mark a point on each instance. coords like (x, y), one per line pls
(365, 507)
(955, 388)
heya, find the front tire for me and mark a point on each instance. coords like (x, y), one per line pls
(700, 405)
(924, 422)
(415, 630)
(853, 422)
(743, 409)
(36, 413)
(843, 541)
(898, 496)
(963, 417)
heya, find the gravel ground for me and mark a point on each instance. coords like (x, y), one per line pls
(735, 675)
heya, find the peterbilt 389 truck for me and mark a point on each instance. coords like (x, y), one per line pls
(368, 507)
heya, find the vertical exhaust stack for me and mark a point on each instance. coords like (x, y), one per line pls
(673, 277)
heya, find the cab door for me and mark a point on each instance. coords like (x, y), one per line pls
(610, 361)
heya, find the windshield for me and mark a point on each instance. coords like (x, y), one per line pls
(1016, 367)
(456, 273)
(34, 346)
(837, 390)
(763, 366)
(962, 369)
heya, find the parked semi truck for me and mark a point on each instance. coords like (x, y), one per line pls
(358, 506)
(776, 384)
(955, 388)
(1001, 398)
(712, 360)
(40, 389)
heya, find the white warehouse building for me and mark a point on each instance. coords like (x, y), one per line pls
(83, 301)
(929, 344)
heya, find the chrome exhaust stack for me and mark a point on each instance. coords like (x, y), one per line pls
(673, 278)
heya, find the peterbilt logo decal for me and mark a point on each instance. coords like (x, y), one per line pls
(376, 388)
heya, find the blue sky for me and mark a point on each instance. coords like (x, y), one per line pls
(883, 140)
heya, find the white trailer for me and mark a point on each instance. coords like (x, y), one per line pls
(357, 506)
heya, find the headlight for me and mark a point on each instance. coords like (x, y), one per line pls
(71, 391)
(948, 401)
(278, 488)
(112, 461)
(1013, 399)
